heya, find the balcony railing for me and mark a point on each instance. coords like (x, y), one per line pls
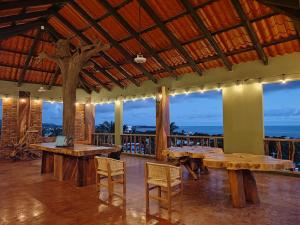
(283, 149)
(139, 144)
(144, 144)
(103, 138)
(182, 140)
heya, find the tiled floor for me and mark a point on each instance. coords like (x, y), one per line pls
(26, 197)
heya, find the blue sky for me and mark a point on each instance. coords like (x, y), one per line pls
(281, 107)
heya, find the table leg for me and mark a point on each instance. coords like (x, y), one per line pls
(80, 178)
(194, 175)
(237, 188)
(47, 162)
(203, 169)
(250, 187)
(59, 166)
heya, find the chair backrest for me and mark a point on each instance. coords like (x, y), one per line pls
(162, 171)
(101, 163)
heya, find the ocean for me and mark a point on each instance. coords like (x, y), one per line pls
(271, 131)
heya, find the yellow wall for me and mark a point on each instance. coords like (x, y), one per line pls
(118, 121)
(243, 118)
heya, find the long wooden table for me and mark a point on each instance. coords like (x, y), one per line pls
(241, 179)
(192, 156)
(71, 163)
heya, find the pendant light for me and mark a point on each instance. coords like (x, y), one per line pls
(139, 57)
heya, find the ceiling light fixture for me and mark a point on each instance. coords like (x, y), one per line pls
(41, 89)
(139, 57)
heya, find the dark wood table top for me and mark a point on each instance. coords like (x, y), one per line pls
(78, 149)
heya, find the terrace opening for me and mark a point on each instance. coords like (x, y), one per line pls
(52, 114)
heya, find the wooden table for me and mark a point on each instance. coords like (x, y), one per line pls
(71, 163)
(191, 156)
(241, 179)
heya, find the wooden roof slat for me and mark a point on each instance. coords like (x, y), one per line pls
(28, 3)
(207, 33)
(91, 75)
(84, 85)
(252, 34)
(136, 35)
(112, 41)
(18, 29)
(24, 16)
(292, 4)
(108, 75)
(29, 57)
(170, 36)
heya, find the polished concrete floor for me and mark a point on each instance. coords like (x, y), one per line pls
(26, 197)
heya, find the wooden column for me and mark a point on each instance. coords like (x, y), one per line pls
(162, 121)
(118, 121)
(89, 120)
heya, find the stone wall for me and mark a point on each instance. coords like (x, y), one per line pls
(11, 117)
(9, 130)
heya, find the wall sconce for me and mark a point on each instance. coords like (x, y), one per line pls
(159, 98)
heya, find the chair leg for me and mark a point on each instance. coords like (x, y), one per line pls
(98, 182)
(124, 185)
(110, 186)
(169, 194)
(147, 198)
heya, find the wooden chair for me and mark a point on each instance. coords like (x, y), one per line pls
(165, 178)
(112, 170)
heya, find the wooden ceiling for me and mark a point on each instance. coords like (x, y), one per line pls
(176, 36)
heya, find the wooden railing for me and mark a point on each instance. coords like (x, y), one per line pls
(283, 149)
(103, 138)
(144, 144)
(182, 140)
(139, 144)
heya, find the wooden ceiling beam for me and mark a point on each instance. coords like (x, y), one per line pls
(18, 29)
(239, 51)
(54, 78)
(175, 42)
(201, 25)
(84, 38)
(136, 35)
(112, 41)
(292, 4)
(23, 16)
(107, 74)
(84, 85)
(28, 3)
(238, 7)
(169, 20)
(29, 68)
(29, 57)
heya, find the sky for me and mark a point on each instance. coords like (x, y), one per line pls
(281, 107)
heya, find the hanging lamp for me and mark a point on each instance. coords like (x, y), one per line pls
(139, 57)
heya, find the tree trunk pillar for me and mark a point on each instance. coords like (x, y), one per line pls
(118, 122)
(162, 121)
(69, 109)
